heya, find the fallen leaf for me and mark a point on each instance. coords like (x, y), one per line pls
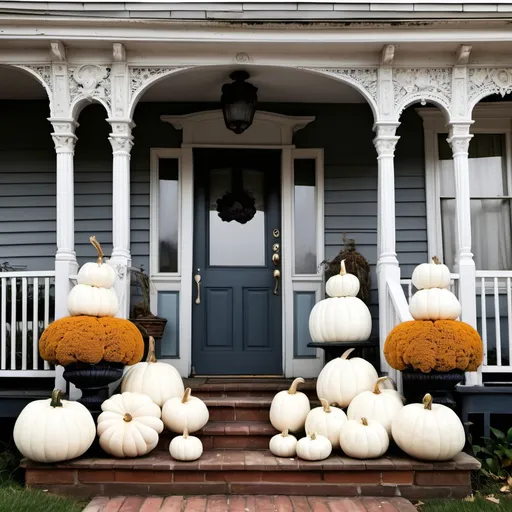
(492, 499)
(505, 488)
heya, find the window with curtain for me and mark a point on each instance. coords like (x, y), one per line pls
(490, 202)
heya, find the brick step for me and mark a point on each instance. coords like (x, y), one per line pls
(245, 503)
(263, 388)
(256, 473)
(241, 409)
(230, 435)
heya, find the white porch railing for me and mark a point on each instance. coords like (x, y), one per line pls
(26, 308)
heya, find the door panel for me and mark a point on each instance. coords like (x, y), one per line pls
(237, 214)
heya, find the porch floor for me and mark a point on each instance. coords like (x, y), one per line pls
(224, 503)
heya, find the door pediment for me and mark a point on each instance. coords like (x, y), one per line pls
(207, 127)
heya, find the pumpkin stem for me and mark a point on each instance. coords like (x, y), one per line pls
(55, 402)
(364, 422)
(185, 433)
(436, 260)
(312, 436)
(325, 405)
(295, 383)
(343, 268)
(186, 396)
(347, 353)
(284, 433)
(376, 389)
(98, 248)
(127, 417)
(151, 351)
(427, 401)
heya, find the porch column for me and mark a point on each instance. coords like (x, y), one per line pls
(387, 262)
(459, 141)
(121, 141)
(66, 265)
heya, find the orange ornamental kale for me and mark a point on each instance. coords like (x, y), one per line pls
(443, 346)
(90, 339)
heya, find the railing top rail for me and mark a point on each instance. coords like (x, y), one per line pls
(454, 277)
(494, 273)
(33, 273)
(399, 301)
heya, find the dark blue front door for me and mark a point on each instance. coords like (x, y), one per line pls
(237, 235)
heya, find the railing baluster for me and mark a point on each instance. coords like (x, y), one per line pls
(409, 292)
(46, 310)
(483, 307)
(497, 320)
(3, 325)
(35, 323)
(24, 300)
(509, 320)
(13, 323)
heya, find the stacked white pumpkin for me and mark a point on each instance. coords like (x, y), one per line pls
(94, 295)
(433, 301)
(180, 412)
(341, 317)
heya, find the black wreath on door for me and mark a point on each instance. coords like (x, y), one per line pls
(238, 204)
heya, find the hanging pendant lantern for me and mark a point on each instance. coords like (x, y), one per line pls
(238, 102)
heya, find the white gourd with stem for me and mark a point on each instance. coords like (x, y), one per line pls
(364, 439)
(290, 408)
(283, 445)
(381, 405)
(434, 304)
(342, 284)
(92, 301)
(314, 447)
(186, 447)
(327, 421)
(187, 412)
(160, 381)
(342, 379)
(99, 274)
(431, 275)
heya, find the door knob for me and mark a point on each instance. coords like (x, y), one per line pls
(197, 279)
(275, 259)
(277, 275)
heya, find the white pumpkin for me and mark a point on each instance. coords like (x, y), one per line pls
(187, 412)
(342, 379)
(54, 430)
(160, 381)
(428, 431)
(314, 447)
(129, 425)
(364, 439)
(91, 301)
(343, 284)
(434, 304)
(283, 445)
(98, 274)
(431, 275)
(327, 421)
(186, 447)
(290, 408)
(381, 405)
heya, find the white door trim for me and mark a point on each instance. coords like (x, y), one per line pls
(273, 127)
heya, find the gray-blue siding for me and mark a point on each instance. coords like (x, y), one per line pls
(27, 180)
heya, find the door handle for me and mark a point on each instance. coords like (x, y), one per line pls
(277, 275)
(275, 259)
(197, 279)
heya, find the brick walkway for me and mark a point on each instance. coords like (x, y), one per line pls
(248, 504)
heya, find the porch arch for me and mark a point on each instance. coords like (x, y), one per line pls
(78, 105)
(41, 73)
(142, 79)
(488, 82)
(442, 103)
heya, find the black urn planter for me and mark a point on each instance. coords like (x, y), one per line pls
(441, 385)
(93, 381)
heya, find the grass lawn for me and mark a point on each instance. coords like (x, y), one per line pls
(15, 498)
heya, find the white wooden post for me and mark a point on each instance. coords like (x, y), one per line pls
(387, 263)
(121, 141)
(459, 141)
(66, 265)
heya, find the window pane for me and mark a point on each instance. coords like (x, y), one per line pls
(239, 239)
(168, 307)
(305, 216)
(168, 171)
(490, 233)
(303, 303)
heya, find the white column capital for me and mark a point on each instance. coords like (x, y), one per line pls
(385, 139)
(64, 136)
(459, 137)
(121, 137)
